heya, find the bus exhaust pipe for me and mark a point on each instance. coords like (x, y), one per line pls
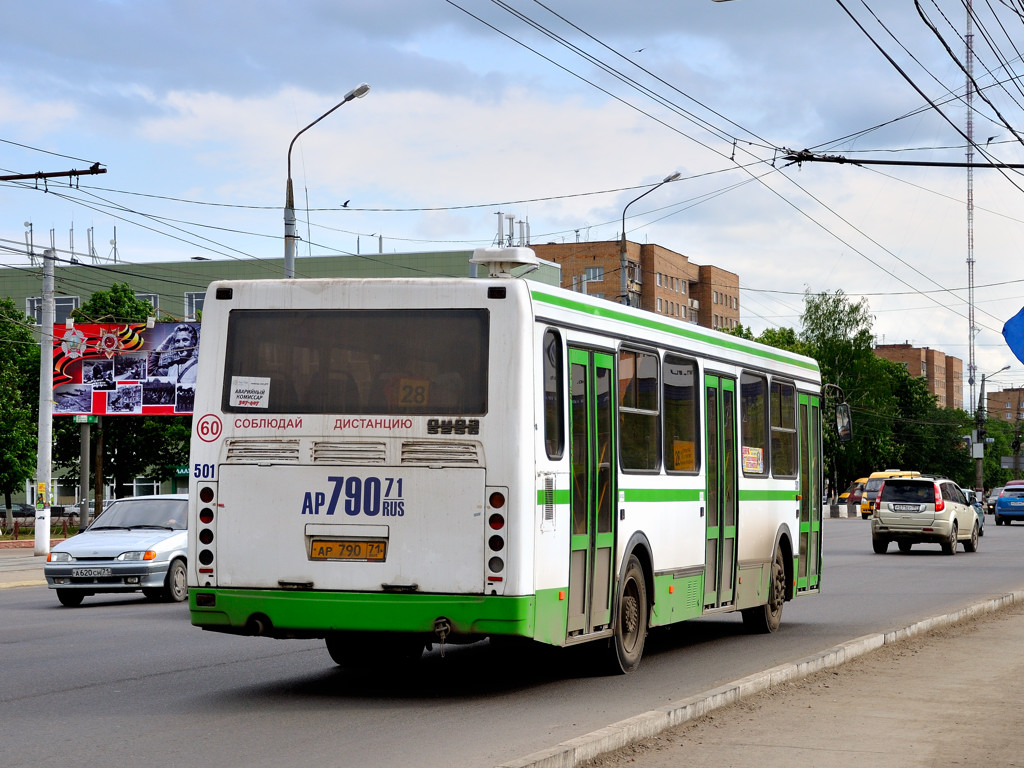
(258, 625)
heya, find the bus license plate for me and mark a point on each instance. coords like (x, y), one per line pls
(363, 549)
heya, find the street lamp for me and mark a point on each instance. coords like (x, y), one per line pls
(289, 198)
(622, 247)
(979, 450)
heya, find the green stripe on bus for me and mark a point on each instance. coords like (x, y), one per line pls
(717, 339)
(558, 497)
(674, 494)
(661, 494)
(323, 612)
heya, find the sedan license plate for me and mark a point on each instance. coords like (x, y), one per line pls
(374, 550)
(90, 572)
(906, 507)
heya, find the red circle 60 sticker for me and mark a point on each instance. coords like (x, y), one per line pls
(209, 428)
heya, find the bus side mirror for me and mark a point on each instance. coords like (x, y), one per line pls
(844, 424)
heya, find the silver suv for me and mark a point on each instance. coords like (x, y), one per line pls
(915, 510)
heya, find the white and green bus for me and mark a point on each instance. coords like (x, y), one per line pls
(394, 463)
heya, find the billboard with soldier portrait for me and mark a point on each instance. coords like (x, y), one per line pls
(125, 369)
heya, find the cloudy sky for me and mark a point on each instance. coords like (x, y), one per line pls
(557, 112)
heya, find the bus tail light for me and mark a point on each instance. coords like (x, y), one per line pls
(497, 539)
(206, 534)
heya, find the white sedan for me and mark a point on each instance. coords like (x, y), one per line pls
(136, 544)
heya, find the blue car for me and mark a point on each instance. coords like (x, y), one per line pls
(1010, 504)
(979, 508)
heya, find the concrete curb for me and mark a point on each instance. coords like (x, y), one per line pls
(573, 752)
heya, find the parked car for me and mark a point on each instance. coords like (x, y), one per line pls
(21, 509)
(875, 482)
(990, 502)
(923, 509)
(135, 544)
(852, 495)
(1010, 503)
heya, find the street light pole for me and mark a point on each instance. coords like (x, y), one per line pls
(979, 450)
(622, 247)
(289, 198)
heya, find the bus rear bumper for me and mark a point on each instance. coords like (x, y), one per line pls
(288, 614)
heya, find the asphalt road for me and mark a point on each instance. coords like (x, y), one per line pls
(124, 680)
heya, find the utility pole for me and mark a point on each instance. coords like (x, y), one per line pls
(1015, 445)
(44, 435)
(972, 329)
(45, 430)
(978, 447)
(99, 482)
(979, 443)
(85, 460)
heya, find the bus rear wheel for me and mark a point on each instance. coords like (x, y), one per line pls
(766, 618)
(358, 649)
(630, 618)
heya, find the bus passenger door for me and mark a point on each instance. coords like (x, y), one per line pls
(809, 573)
(592, 453)
(720, 547)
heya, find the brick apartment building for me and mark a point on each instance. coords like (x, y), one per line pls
(1006, 405)
(944, 374)
(660, 280)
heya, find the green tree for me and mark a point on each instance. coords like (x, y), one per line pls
(132, 446)
(781, 338)
(927, 437)
(837, 333)
(118, 305)
(947, 451)
(1002, 434)
(19, 389)
(896, 421)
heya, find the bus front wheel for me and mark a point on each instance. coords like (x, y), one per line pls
(630, 618)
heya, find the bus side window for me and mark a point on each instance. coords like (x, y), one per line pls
(783, 428)
(679, 395)
(554, 400)
(638, 410)
(754, 420)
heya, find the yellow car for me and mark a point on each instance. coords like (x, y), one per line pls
(875, 482)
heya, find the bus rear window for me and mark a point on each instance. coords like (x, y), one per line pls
(357, 361)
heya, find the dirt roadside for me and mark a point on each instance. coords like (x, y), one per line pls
(945, 698)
